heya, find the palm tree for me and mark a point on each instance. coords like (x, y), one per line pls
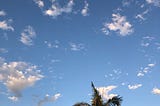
(97, 100)
(114, 101)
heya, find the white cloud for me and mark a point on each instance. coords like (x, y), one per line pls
(17, 76)
(141, 16)
(146, 69)
(5, 25)
(13, 98)
(156, 91)
(154, 2)
(147, 41)
(56, 10)
(2, 13)
(76, 47)
(133, 87)
(104, 92)
(27, 36)
(140, 74)
(48, 98)
(3, 50)
(119, 24)
(85, 10)
(55, 44)
(126, 3)
(40, 3)
(145, 44)
(151, 65)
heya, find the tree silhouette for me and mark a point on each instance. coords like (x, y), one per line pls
(97, 100)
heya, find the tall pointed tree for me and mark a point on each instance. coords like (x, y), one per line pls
(97, 100)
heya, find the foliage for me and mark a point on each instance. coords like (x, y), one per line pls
(97, 100)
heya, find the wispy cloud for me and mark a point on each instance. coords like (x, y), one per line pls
(27, 35)
(119, 24)
(5, 25)
(104, 92)
(48, 98)
(55, 44)
(85, 10)
(2, 13)
(133, 87)
(76, 47)
(3, 50)
(156, 91)
(17, 76)
(141, 16)
(40, 3)
(145, 70)
(13, 98)
(147, 41)
(126, 2)
(55, 10)
(154, 2)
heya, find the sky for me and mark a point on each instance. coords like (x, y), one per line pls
(51, 50)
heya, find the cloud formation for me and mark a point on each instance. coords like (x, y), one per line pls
(2, 13)
(17, 76)
(119, 24)
(85, 10)
(141, 16)
(56, 10)
(76, 47)
(48, 98)
(104, 92)
(40, 3)
(154, 2)
(145, 70)
(5, 25)
(55, 44)
(133, 87)
(27, 35)
(156, 91)
(13, 98)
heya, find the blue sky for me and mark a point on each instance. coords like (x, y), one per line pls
(51, 50)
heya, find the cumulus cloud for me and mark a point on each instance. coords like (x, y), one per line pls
(17, 76)
(133, 87)
(104, 92)
(5, 25)
(154, 2)
(48, 98)
(40, 3)
(2, 13)
(156, 91)
(76, 47)
(119, 24)
(56, 10)
(27, 35)
(85, 10)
